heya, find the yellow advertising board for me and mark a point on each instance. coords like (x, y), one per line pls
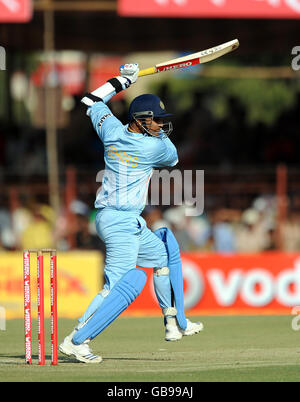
(80, 278)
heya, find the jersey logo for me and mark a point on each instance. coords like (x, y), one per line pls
(103, 118)
(122, 156)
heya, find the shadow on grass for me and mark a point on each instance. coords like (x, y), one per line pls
(20, 359)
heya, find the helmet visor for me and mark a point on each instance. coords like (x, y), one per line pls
(145, 121)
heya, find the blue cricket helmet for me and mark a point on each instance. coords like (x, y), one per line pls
(147, 103)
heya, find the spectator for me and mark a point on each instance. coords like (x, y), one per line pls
(251, 236)
(223, 232)
(154, 218)
(85, 240)
(21, 219)
(39, 232)
(7, 236)
(191, 232)
(85, 237)
(290, 233)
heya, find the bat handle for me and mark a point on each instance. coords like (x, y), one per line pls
(147, 71)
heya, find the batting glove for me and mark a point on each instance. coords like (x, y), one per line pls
(130, 72)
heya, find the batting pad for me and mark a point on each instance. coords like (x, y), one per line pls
(119, 298)
(175, 268)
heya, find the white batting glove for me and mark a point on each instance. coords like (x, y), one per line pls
(130, 72)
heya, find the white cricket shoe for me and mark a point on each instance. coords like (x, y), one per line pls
(175, 333)
(81, 352)
(172, 333)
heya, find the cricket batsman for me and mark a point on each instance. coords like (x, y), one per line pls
(131, 152)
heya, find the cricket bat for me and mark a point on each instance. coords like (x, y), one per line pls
(193, 59)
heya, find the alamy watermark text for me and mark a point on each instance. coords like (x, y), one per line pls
(296, 59)
(2, 58)
(167, 188)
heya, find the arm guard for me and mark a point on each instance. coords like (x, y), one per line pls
(106, 91)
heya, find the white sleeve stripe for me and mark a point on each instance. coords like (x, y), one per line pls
(87, 101)
(104, 90)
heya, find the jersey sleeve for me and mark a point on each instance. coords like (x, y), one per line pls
(104, 122)
(164, 153)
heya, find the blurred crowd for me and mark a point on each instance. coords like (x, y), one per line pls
(230, 230)
(201, 138)
(34, 225)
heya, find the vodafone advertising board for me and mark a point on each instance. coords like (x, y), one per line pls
(266, 283)
(15, 10)
(210, 8)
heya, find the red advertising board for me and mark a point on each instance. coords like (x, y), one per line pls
(71, 74)
(15, 10)
(266, 283)
(102, 69)
(210, 8)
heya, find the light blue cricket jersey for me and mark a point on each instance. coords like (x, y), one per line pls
(129, 161)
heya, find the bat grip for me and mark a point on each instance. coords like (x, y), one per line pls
(147, 71)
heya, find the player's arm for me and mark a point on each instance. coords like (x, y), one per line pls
(129, 75)
(165, 154)
(102, 118)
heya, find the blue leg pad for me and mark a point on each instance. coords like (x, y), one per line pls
(175, 268)
(125, 291)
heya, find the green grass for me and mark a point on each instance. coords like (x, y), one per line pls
(231, 348)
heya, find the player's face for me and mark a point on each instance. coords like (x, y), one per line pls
(154, 126)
